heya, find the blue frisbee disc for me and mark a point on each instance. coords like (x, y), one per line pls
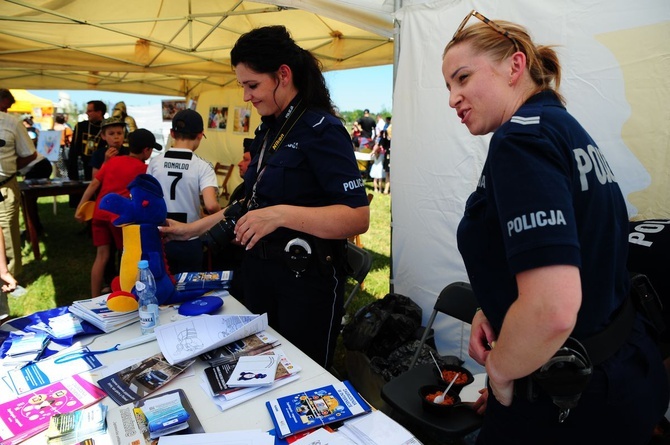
(201, 305)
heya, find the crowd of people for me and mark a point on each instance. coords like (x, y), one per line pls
(374, 137)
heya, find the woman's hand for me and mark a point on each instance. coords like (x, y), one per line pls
(256, 224)
(479, 406)
(482, 338)
(176, 231)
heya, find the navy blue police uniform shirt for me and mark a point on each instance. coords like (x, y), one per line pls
(546, 196)
(313, 166)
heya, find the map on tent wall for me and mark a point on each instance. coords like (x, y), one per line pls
(171, 107)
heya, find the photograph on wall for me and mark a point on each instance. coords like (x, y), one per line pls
(171, 107)
(218, 118)
(242, 117)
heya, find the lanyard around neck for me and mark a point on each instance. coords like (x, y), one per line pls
(292, 115)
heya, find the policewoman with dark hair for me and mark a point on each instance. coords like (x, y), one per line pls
(544, 241)
(304, 195)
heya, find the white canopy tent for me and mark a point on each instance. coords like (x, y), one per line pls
(179, 48)
(615, 56)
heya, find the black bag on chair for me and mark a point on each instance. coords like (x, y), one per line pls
(380, 327)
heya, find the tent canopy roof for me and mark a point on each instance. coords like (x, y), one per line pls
(175, 47)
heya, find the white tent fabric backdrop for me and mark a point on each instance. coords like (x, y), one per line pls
(615, 56)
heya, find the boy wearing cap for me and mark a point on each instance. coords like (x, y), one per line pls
(184, 176)
(113, 177)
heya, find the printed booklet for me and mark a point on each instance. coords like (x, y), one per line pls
(141, 379)
(316, 407)
(31, 413)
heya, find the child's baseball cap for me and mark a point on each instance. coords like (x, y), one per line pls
(188, 121)
(142, 138)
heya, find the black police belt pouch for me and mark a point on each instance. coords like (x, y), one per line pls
(300, 251)
(565, 376)
(647, 302)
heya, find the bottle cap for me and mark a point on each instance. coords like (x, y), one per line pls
(202, 305)
(143, 264)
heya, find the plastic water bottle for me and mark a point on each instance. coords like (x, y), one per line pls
(145, 286)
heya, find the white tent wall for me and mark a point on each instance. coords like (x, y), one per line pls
(615, 56)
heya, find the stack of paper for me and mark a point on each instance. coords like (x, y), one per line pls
(96, 312)
(215, 382)
(203, 280)
(27, 347)
(251, 345)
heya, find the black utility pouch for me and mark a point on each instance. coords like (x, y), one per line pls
(647, 301)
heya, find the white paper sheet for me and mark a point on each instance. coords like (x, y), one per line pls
(185, 339)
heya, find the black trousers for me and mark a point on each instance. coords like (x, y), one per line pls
(307, 309)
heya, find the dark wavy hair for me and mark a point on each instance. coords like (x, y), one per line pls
(265, 49)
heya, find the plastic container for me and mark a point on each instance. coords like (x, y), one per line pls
(448, 371)
(145, 287)
(428, 391)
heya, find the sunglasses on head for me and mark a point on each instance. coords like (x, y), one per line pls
(497, 28)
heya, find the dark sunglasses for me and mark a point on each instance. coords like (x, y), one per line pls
(497, 28)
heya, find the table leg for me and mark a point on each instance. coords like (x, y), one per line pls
(29, 205)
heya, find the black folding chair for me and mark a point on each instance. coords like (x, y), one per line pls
(360, 262)
(402, 393)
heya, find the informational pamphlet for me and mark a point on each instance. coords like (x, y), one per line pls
(316, 407)
(141, 379)
(30, 413)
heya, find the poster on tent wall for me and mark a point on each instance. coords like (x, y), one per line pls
(172, 107)
(218, 118)
(242, 118)
(48, 144)
(615, 56)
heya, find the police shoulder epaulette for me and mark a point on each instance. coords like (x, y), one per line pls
(526, 120)
(317, 120)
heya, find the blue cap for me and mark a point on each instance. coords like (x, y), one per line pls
(143, 264)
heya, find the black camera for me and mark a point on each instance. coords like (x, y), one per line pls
(224, 231)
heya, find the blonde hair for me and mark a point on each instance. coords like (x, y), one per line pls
(541, 60)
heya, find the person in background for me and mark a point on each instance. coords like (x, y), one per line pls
(367, 124)
(60, 124)
(385, 142)
(184, 177)
(113, 177)
(121, 112)
(6, 99)
(16, 151)
(240, 192)
(85, 140)
(306, 195)
(544, 239)
(7, 282)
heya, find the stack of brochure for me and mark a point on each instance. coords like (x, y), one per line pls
(203, 280)
(96, 312)
(251, 345)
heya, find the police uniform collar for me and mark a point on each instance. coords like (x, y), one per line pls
(546, 97)
(274, 122)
